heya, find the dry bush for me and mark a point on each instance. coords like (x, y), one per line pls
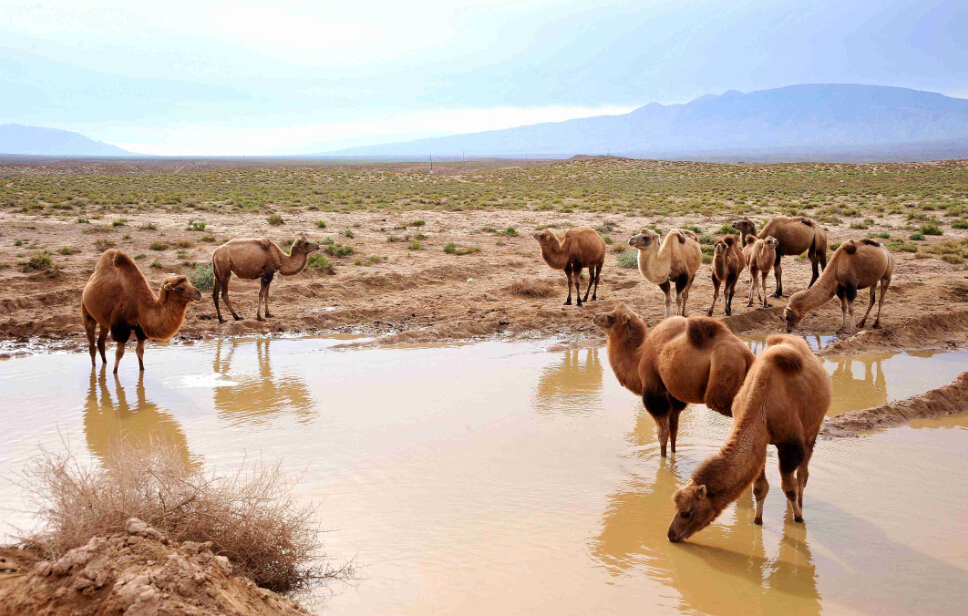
(250, 516)
(532, 288)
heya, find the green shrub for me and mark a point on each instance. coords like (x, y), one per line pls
(727, 230)
(319, 261)
(628, 258)
(415, 245)
(68, 250)
(417, 223)
(509, 232)
(607, 239)
(931, 229)
(140, 256)
(203, 278)
(196, 225)
(156, 264)
(452, 248)
(338, 250)
(959, 224)
(275, 220)
(158, 245)
(118, 223)
(39, 261)
(349, 233)
(83, 220)
(103, 244)
(321, 224)
(917, 237)
(882, 235)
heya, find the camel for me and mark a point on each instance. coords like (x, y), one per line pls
(795, 235)
(762, 257)
(682, 360)
(253, 258)
(728, 263)
(117, 297)
(855, 265)
(783, 402)
(577, 249)
(677, 260)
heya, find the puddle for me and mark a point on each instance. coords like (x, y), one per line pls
(501, 478)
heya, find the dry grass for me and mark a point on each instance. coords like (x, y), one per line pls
(250, 516)
(533, 288)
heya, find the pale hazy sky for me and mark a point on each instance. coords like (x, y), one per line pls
(295, 77)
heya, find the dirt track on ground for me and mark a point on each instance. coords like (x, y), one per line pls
(416, 296)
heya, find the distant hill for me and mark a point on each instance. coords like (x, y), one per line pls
(797, 122)
(22, 140)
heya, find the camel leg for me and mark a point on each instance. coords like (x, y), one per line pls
(568, 273)
(102, 344)
(792, 454)
(662, 426)
(225, 296)
(118, 354)
(753, 276)
(667, 289)
(262, 293)
(803, 474)
(870, 304)
(216, 289)
(90, 328)
(268, 281)
(709, 312)
(843, 310)
(576, 273)
(598, 274)
(591, 279)
(766, 298)
(673, 427)
(682, 293)
(880, 302)
(731, 290)
(761, 487)
(778, 272)
(140, 350)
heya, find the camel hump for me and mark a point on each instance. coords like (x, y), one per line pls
(264, 244)
(701, 331)
(750, 240)
(123, 261)
(871, 243)
(850, 247)
(730, 240)
(806, 221)
(786, 358)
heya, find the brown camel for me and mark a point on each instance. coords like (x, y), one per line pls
(762, 257)
(795, 235)
(782, 403)
(117, 297)
(577, 249)
(728, 263)
(250, 259)
(855, 265)
(681, 361)
(748, 242)
(677, 260)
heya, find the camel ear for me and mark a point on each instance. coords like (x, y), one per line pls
(166, 287)
(701, 492)
(628, 321)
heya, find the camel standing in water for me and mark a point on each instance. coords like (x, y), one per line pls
(680, 361)
(250, 259)
(782, 402)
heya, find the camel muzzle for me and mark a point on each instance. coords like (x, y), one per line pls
(673, 537)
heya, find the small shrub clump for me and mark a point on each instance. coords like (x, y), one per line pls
(203, 277)
(319, 262)
(275, 220)
(158, 245)
(628, 258)
(453, 248)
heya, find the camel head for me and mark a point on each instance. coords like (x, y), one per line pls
(721, 247)
(179, 289)
(303, 246)
(744, 225)
(646, 240)
(793, 313)
(771, 241)
(694, 511)
(619, 321)
(545, 237)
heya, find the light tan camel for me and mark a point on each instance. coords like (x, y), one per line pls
(677, 260)
(855, 265)
(117, 297)
(682, 361)
(748, 242)
(783, 402)
(795, 235)
(577, 249)
(728, 263)
(762, 257)
(253, 258)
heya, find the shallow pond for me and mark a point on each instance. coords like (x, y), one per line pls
(503, 478)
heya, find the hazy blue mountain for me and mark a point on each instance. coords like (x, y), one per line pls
(37, 140)
(866, 120)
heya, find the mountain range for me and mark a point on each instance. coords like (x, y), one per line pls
(20, 140)
(795, 122)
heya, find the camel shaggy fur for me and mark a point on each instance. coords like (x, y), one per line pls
(117, 297)
(728, 263)
(677, 260)
(762, 257)
(253, 258)
(795, 235)
(855, 265)
(576, 249)
(680, 361)
(783, 402)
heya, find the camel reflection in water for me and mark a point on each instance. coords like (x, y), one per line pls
(851, 394)
(107, 422)
(724, 569)
(571, 385)
(259, 397)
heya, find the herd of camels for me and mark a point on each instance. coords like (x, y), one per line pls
(779, 398)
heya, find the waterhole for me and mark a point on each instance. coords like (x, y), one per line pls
(504, 478)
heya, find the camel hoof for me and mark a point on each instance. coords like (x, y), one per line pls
(269, 316)
(767, 305)
(710, 313)
(876, 325)
(260, 319)
(758, 521)
(798, 519)
(567, 303)
(221, 321)
(237, 317)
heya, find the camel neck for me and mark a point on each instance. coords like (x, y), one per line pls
(553, 253)
(164, 317)
(821, 292)
(292, 264)
(655, 264)
(625, 354)
(738, 463)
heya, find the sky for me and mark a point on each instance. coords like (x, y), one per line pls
(285, 77)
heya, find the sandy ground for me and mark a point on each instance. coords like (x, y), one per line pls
(427, 295)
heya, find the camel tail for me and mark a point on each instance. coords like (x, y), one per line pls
(820, 244)
(786, 359)
(850, 247)
(701, 331)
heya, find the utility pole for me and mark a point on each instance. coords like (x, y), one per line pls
(431, 163)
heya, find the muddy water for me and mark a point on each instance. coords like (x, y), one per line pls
(501, 478)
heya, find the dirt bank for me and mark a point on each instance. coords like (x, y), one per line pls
(137, 573)
(419, 295)
(948, 400)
